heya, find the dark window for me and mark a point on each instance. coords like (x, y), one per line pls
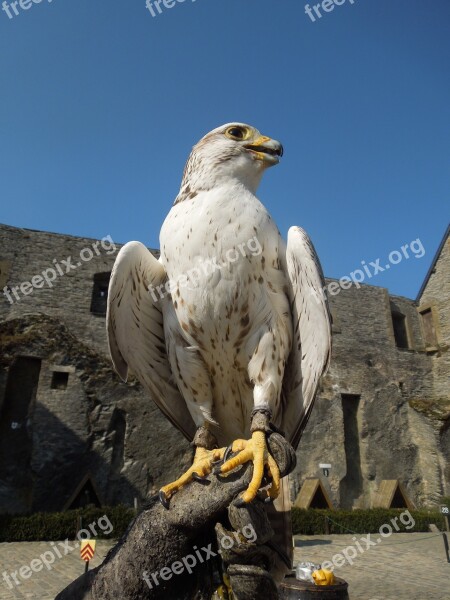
(59, 380)
(429, 331)
(352, 484)
(400, 331)
(16, 439)
(100, 293)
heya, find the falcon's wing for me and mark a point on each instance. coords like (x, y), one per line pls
(134, 324)
(311, 346)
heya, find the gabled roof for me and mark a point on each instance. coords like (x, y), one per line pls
(391, 494)
(313, 495)
(87, 480)
(433, 264)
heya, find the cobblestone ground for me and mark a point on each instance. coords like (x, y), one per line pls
(45, 584)
(405, 566)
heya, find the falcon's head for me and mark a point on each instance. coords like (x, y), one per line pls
(234, 152)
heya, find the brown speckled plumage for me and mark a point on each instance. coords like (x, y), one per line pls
(253, 332)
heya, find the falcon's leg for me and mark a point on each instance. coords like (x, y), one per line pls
(206, 455)
(255, 450)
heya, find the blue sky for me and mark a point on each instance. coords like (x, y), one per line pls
(101, 103)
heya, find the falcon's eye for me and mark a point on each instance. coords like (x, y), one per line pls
(237, 133)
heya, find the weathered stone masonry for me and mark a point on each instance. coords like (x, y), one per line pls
(383, 413)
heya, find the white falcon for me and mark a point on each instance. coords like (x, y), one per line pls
(230, 328)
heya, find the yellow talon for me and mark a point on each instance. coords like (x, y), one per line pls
(201, 467)
(255, 450)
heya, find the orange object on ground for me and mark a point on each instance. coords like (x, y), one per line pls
(323, 577)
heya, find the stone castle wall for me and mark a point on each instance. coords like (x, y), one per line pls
(368, 368)
(26, 254)
(437, 296)
(375, 418)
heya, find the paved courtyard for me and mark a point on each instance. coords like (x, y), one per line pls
(46, 583)
(405, 566)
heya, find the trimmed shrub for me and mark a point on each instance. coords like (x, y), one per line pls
(60, 526)
(317, 521)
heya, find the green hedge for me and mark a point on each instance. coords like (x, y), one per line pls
(61, 526)
(314, 521)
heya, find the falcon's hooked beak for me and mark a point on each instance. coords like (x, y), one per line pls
(266, 149)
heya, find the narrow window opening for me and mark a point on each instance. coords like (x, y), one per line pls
(400, 330)
(100, 293)
(429, 330)
(16, 433)
(352, 484)
(59, 380)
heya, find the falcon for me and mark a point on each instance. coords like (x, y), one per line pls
(229, 330)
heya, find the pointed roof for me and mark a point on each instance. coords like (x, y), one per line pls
(313, 495)
(392, 494)
(86, 482)
(433, 264)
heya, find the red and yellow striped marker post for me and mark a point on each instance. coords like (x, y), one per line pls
(87, 551)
